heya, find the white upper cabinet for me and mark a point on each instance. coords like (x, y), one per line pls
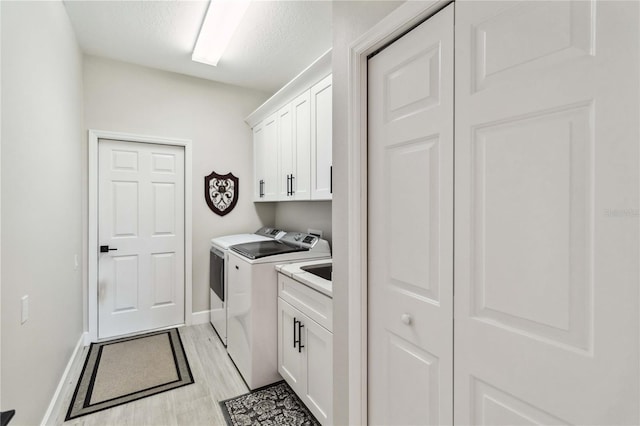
(321, 139)
(294, 145)
(265, 145)
(301, 172)
(286, 150)
(258, 161)
(292, 138)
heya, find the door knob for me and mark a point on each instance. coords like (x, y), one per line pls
(406, 319)
(106, 249)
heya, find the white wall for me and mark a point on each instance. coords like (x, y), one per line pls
(129, 98)
(351, 19)
(301, 215)
(41, 202)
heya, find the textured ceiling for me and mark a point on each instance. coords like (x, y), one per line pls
(275, 41)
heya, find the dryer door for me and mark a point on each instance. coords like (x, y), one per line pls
(216, 272)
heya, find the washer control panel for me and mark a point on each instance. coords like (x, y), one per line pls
(300, 239)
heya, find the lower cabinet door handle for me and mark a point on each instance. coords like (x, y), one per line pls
(295, 321)
(300, 345)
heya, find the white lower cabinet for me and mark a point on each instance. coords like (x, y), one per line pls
(305, 359)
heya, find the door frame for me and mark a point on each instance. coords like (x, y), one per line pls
(92, 236)
(407, 16)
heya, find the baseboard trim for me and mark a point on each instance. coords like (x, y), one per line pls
(54, 400)
(201, 317)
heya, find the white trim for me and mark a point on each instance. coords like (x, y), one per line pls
(202, 317)
(92, 248)
(399, 21)
(77, 352)
(319, 69)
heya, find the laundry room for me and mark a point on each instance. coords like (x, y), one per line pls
(271, 212)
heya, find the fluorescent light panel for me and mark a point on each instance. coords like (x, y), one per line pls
(220, 22)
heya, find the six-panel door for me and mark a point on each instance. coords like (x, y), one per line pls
(141, 226)
(546, 246)
(410, 247)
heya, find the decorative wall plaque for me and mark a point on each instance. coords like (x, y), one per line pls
(221, 192)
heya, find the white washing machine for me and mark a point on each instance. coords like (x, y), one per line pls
(218, 260)
(252, 339)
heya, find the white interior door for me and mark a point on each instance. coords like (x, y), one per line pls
(141, 220)
(546, 246)
(410, 312)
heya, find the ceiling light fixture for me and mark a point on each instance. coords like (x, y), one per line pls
(220, 22)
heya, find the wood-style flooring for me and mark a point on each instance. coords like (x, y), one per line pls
(216, 379)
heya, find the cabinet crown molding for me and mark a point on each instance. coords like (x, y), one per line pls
(319, 69)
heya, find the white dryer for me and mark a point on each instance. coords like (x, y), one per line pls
(218, 260)
(252, 324)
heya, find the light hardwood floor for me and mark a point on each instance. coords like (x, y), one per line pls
(215, 376)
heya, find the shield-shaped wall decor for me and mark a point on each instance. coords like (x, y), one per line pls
(221, 192)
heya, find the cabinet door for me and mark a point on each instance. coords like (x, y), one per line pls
(286, 151)
(321, 138)
(258, 169)
(290, 360)
(301, 113)
(318, 350)
(269, 154)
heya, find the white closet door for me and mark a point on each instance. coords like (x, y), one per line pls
(411, 227)
(546, 204)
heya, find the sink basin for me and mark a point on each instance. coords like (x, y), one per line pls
(322, 271)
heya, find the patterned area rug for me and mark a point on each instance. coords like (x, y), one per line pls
(127, 369)
(274, 404)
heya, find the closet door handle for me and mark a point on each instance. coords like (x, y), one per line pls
(300, 345)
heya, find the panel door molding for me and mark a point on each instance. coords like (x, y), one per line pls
(410, 240)
(141, 218)
(546, 280)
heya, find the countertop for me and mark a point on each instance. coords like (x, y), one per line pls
(292, 270)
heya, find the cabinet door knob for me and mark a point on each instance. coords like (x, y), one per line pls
(237, 267)
(406, 319)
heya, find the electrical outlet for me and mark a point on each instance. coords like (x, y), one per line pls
(25, 309)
